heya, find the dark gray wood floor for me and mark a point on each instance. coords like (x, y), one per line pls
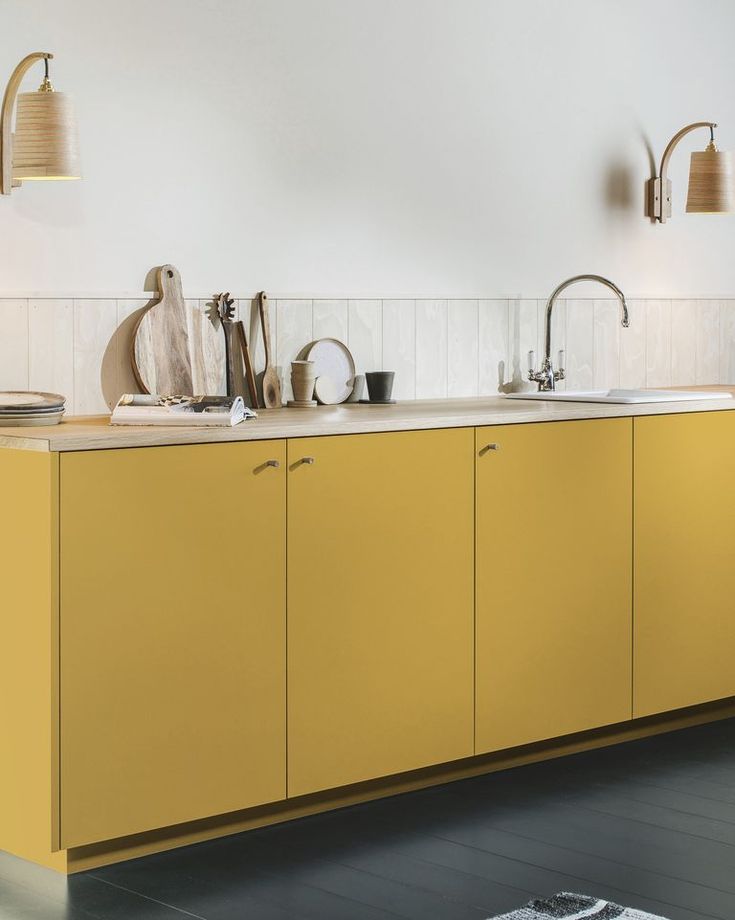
(649, 824)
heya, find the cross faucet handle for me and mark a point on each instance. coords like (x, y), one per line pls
(533, 375)
(559, 374)
(547, 376)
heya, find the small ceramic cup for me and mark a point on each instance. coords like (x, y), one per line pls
(303, 377)
(380, 385)
(358, 387)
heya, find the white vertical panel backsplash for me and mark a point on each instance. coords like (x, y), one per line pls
(632, 357)
(683, 342)
(399, 345)
(606, 344)
(431, 349)
(51, 347)
(462, 348)
(727, 342)
(331, 319)
(492, 339)
(708, 342)
(81, 347)
(580, 345)
(13, 344)
(658, 343)
(95, 322)
(524, 335)
(365, 334)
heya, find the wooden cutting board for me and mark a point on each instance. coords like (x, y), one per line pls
(178, 346)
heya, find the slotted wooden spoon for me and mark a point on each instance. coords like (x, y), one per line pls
(271, 383)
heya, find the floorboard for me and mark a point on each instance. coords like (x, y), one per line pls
(650, 824)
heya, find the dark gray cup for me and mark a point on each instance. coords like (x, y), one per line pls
(380, 385)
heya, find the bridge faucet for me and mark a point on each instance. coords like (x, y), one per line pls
(547, 377)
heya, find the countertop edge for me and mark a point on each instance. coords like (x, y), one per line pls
(25, 443)
(95, 433)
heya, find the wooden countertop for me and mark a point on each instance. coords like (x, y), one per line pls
(96, 433)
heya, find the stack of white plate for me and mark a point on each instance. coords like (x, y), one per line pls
(30, 409)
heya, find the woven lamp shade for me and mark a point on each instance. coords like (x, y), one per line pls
(711, 182)
(46, 144)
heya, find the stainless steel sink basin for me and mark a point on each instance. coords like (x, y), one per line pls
(622, 396)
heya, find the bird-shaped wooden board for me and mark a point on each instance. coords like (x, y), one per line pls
(178, 350)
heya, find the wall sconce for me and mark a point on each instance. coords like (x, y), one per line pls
(711, 179)
(45, 144)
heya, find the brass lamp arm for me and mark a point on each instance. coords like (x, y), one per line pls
(675, 140)
(6, 118)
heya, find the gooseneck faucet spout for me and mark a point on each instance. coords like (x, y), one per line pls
(547, 377)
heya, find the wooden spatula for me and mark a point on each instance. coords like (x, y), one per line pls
(247, 360)
(271, 383)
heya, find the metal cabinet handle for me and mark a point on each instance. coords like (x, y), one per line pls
(261, 467)
(487, 447)
(307, 460)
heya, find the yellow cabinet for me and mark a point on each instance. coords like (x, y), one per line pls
(380, 599)
(172, 635)
(553, 579)
(684, 560)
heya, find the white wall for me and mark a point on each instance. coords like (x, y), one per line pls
(425, 148)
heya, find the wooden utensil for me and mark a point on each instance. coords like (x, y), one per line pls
(161, 348)
(225, 307)
(271, 383)
(248, 362)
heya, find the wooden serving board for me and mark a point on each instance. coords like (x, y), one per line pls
(178, 348)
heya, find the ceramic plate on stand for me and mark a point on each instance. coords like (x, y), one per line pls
(334, 365)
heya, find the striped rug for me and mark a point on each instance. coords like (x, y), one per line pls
(575, 907)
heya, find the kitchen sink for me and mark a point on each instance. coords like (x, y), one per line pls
(622, 396)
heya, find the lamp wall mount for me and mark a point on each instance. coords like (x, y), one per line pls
(6, 117)
(45, 144)
(658, 191)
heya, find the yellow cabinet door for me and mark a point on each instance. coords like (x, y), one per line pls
(172, 635)
(380, 605)
(554, 566)
(684, 609)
